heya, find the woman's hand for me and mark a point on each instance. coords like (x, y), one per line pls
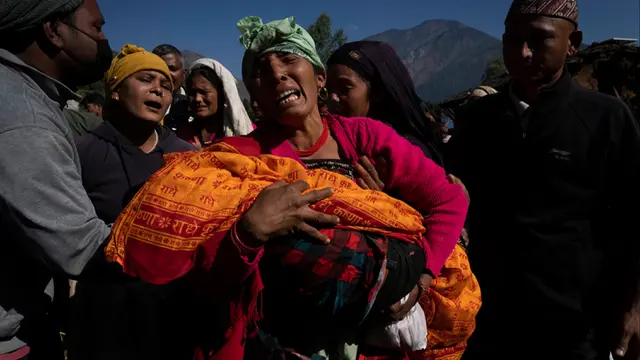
(454, 180)
(282, 209)
(196, 143)
(369, 176)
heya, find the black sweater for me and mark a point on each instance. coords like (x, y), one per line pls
(115, 316)
(113, 168)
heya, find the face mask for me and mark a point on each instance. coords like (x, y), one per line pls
(93, 71)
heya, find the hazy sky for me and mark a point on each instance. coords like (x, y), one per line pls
(209, 27)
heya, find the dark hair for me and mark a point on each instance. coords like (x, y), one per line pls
(166, 49)
(212, 77)
(92, 98)
(390, 83)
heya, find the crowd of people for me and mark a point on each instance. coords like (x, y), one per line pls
(160, 221)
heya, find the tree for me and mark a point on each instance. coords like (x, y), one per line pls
(326, 40)
(495, 69)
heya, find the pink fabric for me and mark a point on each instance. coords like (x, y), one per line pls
(416, 179)
(16, 355)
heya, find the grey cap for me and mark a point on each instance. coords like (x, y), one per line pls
(19, 15)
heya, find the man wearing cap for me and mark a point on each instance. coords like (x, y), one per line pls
(554, 204)
(49, 227)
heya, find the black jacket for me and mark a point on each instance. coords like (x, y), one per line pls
(113, 168)
(551, 210)
(115, 316)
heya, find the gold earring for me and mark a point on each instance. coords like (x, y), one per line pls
(323, 93)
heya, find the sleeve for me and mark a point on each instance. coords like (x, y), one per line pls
(45, 202)
(423, 184)
(625, 194)
(241, 260)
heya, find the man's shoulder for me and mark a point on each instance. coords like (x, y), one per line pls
(81, 122)
(594, 108)
(583, 97)
(23, 103)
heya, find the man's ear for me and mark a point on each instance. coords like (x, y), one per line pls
(52, 32)
(575, 40)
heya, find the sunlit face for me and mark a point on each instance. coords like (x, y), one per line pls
(176, 69)
(285, 87)
(535, 48)
(349, 91)
(203, 97)
(95, 108)
(145, 95)
(84, 60)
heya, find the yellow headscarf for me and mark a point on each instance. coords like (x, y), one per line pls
(129, 61)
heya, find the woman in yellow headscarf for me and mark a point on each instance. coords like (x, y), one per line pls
(114, 314)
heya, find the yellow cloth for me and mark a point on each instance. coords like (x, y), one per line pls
(451, 306)
(129, 61)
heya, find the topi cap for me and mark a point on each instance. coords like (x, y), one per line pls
(564, 9)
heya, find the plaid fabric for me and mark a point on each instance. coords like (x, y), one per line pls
(347, 274)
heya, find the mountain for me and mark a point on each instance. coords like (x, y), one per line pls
(444, 57)
(191, 56)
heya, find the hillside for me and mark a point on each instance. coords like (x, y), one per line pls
(444, 57)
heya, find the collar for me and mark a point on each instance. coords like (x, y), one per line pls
(109, 133)
(520, 105)
(54, 89)
(549, 99)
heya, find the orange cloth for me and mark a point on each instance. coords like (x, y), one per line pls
(197, 196)
(179, 219)
(451, 306)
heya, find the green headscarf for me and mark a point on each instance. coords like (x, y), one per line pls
(276, 36)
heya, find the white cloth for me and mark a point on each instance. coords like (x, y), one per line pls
(73, 105)
(521, 106)
(408, 334)
(236, 119)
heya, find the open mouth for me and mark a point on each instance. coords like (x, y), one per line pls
(288, 96)
(153, 105)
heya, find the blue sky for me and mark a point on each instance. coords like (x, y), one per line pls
(208, 26)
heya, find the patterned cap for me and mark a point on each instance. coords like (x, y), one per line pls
(564, 9)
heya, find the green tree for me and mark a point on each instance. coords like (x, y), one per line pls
(494, 70)
(326, 40)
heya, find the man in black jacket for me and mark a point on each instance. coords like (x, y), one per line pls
(177, 114)
(552, 170)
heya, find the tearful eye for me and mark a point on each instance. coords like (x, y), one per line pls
(290, 58)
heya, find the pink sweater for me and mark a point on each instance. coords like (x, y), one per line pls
(413, 177)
